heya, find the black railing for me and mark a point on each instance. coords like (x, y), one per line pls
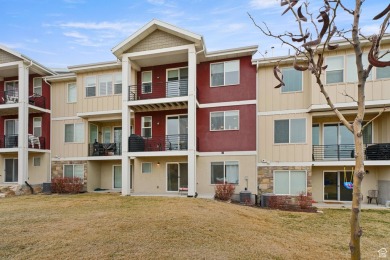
(12, 97)
(341, 152)
(176, 88)
(158, 143)
(11, 141)
(104, 149)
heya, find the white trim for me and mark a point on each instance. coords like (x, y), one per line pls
(283, 112)
(142, 168)
(145, 82)
(156, 154)
(11, 158)
(224, 71)
(95, 113)
(178, 178)
(289, 181)
(39, 126)
(33, 161)
(41, 86)
(232, 153)
(157, 52)
(224, 121)
(295, 91)
(228, 104)
(170, 100)
(113, 176)
(67, 92)
(242, 50)
(267, 164)
(142, 126)
(321, 107)
(89, 158)
(224, 172)
(65, 118)
(289, 131)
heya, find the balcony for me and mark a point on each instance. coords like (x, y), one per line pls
(158, 143)
(11, 141)
(104, 149)
(343, 152)
(170, 89)
(12, 97)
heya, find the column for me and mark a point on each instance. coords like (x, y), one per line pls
(23, 72)
(191, 121)
(126, 79)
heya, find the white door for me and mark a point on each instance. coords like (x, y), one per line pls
(177, 84)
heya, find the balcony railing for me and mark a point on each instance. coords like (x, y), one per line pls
(158, 143)
(12, 97)
(104, 149)
(342, 152)
(12, 141)
(176, 88)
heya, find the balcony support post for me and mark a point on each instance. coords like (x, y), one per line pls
(126, 80)
(23, 72)
(191, 121)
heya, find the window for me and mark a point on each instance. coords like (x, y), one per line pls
(292, 79)
(105, 85)
(37, 85)
(315, 134)
(74, 171)
(74, 133)
(351, 71)
(335, 70)
(289, 182)
(90, 86)
(146, 167)
(146, 130)
(106, 131)
(37, 126)
(290, 131)
(36, 161)
(12, 89)
(10, 170)
(225, 73)
(118, 83)
(382, 73)
(226, 120)
(72, 92)
(224, 172)
(146, 82)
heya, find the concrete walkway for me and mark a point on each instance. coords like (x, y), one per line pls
(347, 205)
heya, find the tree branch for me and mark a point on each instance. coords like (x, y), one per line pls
(345, 94)
(375, 117)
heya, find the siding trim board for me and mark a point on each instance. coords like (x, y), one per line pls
(226, 104)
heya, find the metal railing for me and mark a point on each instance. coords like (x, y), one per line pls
(104, 149)
(12, 97)
(341, 152)
(158, 143)
(12, 141)
(176, 88)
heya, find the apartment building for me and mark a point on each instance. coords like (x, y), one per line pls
(303, 148)
(167, 117)
(24, 120)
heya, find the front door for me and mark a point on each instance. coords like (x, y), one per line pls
(334, 188)
(118, 140)
(177, 82)
(177, 176)
(177, 132)
(11, 170)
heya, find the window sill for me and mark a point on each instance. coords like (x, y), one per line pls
(223, 130)
(225, 85)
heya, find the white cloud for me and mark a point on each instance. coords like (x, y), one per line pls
(234, 27)
(156, 2)
(82, 39)
(369, 30)
(263, 4)
(123, 27)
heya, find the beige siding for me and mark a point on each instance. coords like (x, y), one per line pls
(63, 150)
(84, 104)
(382, 129)
(272, 99)
(94, 175)
(158, 40)
(6, 57)
(271, 152)
(247, 167)
(101, 174)
(39, 174)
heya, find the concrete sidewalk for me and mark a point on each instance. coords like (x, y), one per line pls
(347, 205)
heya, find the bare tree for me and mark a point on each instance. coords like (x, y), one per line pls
(311, 40)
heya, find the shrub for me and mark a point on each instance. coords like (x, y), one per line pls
(304, 201)
(224, 191)
(66, 185)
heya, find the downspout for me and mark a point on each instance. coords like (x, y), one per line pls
(257, 127)
(51, 135)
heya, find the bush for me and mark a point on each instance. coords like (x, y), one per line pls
(224, 191)
(304, 201)
(66, 185)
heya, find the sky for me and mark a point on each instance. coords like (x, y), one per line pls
(62, 33)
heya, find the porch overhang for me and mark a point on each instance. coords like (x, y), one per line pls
(159, 104)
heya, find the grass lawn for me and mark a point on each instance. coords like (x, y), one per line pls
(108, 226)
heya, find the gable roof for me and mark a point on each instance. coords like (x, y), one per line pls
(150, 28)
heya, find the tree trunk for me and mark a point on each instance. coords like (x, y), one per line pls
(356, 231)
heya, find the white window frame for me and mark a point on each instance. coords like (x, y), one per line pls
(105, 79)
(145, 82)
(294, 91)
(143, 127)
(17, 174)
(343, 69)
(40, 126)
(73, 84)
(224, 73)
(224, 120)
(93, 78)
(387, 58)
(143, 170)
(289, 130)
(73, 170)
(36, 161)
(82, 138)
(289, 181)
(113, 177)
(117, 81)
(35, 87)
(224, 172)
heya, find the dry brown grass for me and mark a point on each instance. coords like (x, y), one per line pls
(97, 226)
